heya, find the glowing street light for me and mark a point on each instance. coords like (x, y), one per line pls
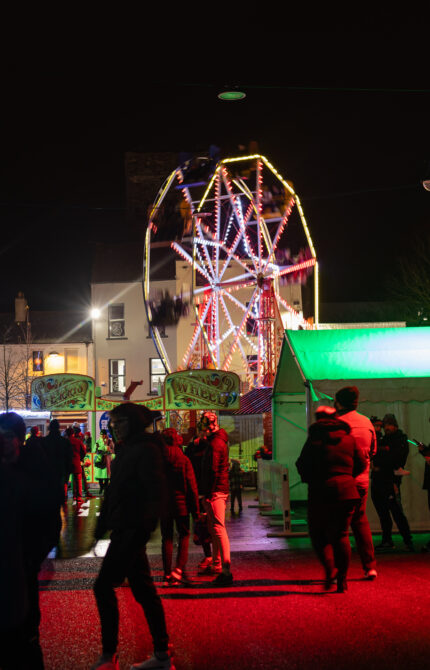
(95, 313)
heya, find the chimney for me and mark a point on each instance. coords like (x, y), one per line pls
(21, 308)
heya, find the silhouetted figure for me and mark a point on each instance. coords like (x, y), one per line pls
(39, 524)
(134, 501)
(387, 472)
(235, 480)
(194, 451)
(328, 463)
(183, 501)
(78, 455)
(59, 454)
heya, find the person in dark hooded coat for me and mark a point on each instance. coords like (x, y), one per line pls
(183, 501)
(135, 499)
(328, 463)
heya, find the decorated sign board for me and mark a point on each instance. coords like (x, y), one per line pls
(202, 389)
(152, 403)
(184, 390)
(63, 392)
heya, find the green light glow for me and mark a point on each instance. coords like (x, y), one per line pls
(363, 353)
(231, 95)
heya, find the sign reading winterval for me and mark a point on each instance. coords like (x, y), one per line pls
(202, 389)
(62, 392)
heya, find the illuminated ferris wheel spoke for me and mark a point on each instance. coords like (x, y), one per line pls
(200, 240)
(239, 219)
(186, 256)
(192, 344)
(239, 331)
(232, 329)
(278, 233)
(237, 302)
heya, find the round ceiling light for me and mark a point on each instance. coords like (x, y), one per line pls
(232, 95)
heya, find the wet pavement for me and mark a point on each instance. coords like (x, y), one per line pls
(247, 531)
(276, 614)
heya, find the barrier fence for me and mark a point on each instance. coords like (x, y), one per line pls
(274, 492)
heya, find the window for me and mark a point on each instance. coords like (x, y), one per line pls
(117, 375)
(157, 374)
(72, 360)
(116, 321)
(37, 361)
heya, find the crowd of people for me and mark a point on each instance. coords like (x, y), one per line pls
(146, 477)
(345, 451)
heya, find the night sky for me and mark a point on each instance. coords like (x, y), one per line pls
(344, 116)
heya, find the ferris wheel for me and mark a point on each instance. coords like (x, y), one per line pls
(245, 240)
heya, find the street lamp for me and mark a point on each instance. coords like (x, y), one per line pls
(95, 314)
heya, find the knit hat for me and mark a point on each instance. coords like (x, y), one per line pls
(324, 411)
(13, 422)
(390, 419)
(348, 397)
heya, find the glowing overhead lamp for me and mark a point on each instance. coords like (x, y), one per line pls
(231, 93)
(95, 313)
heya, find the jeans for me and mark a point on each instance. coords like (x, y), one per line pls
(389, 504)
(183, 527)
(215, 509)
(328, 528)
(362, 534)
(126, 557)
(77, 485)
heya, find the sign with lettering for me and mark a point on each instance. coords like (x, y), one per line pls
(63, 392)
(151, 403)
(202, 389)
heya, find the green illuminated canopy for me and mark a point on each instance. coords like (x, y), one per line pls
(334, 358)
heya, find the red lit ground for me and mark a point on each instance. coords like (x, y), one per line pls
(275, 615)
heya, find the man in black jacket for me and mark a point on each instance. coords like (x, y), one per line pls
(387, 472)
(133, 503)
(59, 453)
(215, 488)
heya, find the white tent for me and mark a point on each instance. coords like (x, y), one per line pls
(391, 368)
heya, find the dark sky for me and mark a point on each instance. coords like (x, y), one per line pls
(345, 116)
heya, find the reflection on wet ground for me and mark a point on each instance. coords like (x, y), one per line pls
(247, 531)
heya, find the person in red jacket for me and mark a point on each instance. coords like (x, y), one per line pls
(183, 501)
(215, 488)
(328, 463)
(77, 460)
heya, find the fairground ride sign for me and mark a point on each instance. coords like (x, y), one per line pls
(63, 392)
(202, 389)
(152, 403)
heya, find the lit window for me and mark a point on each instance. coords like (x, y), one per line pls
(117, 376)
(157, 374)
(116, 321)
(72, 360)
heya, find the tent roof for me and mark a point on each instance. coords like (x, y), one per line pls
(399, 356)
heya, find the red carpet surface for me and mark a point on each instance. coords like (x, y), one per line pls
(276, 615)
